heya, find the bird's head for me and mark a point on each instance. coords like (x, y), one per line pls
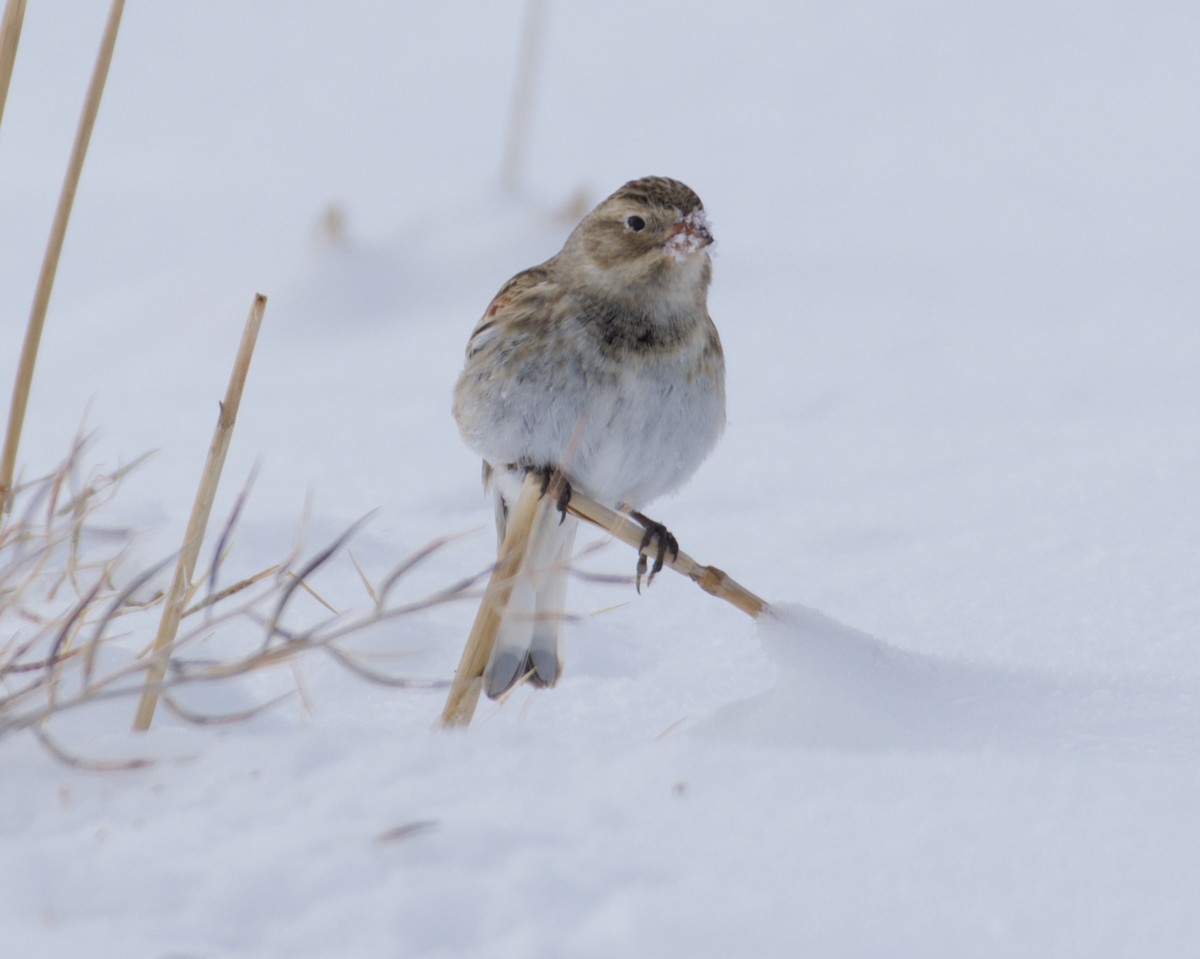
(651, 237)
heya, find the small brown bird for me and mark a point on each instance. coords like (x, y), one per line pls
(604, 363)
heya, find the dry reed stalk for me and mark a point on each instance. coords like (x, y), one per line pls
(468, 682)
(710, 579)
(58, 231)
(201, 508)
(523, 520)
(518, 122)
(10, 35)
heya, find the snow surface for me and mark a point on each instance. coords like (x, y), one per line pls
(959, 297)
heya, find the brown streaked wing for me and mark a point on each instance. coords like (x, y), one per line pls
(520, 295)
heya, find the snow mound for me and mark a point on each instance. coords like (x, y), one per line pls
(840, 688)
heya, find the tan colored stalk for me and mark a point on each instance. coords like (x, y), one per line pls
(522, 106)
(710, 579)
(533, 508)
(10, 34)
(176, 598)
(58, 231)
(530, 510)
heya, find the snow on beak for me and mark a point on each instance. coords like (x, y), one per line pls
(690, 234)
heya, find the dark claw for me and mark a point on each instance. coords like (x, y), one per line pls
(564, 498)
(666, 543)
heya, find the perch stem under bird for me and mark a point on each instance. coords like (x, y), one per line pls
(708, 578)
(535, 504)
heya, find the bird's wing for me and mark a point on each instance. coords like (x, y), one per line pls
(521, 297)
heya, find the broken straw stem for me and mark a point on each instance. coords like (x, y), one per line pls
(468, 682)
(176, 597)
(464, 691)
(710, 579)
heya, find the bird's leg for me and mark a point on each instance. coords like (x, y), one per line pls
(666, 543)
(564, 496)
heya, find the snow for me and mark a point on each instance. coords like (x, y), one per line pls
(958, 297)
(693, 237)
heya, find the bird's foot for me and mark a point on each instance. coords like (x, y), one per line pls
(666, 544)
(564, 493)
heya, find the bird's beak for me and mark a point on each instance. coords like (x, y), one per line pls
(691, 234)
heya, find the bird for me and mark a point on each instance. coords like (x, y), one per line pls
(604, 364)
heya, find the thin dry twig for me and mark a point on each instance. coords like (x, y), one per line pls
(213, 598)
(59, 752)
(303, 584)
(416, 558)
(222, 719)
(297, 579)
(363, 578)
(355, 665)
(34, 670)
(228, 529)
(47, 669)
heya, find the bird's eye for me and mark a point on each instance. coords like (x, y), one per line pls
(636, 223)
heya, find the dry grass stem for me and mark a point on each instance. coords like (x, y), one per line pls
(10, 36)
(367, 584)
(59, 752)
(62, 653)
(522, 107)
(535, 505)
(58, 231)
(223, 719)
(229, 591)
(710, 579)
(418, 557)
(201, 509)
(532, 507)
(214, 598)
(313, 593)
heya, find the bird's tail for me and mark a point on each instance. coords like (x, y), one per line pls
(527, 644)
